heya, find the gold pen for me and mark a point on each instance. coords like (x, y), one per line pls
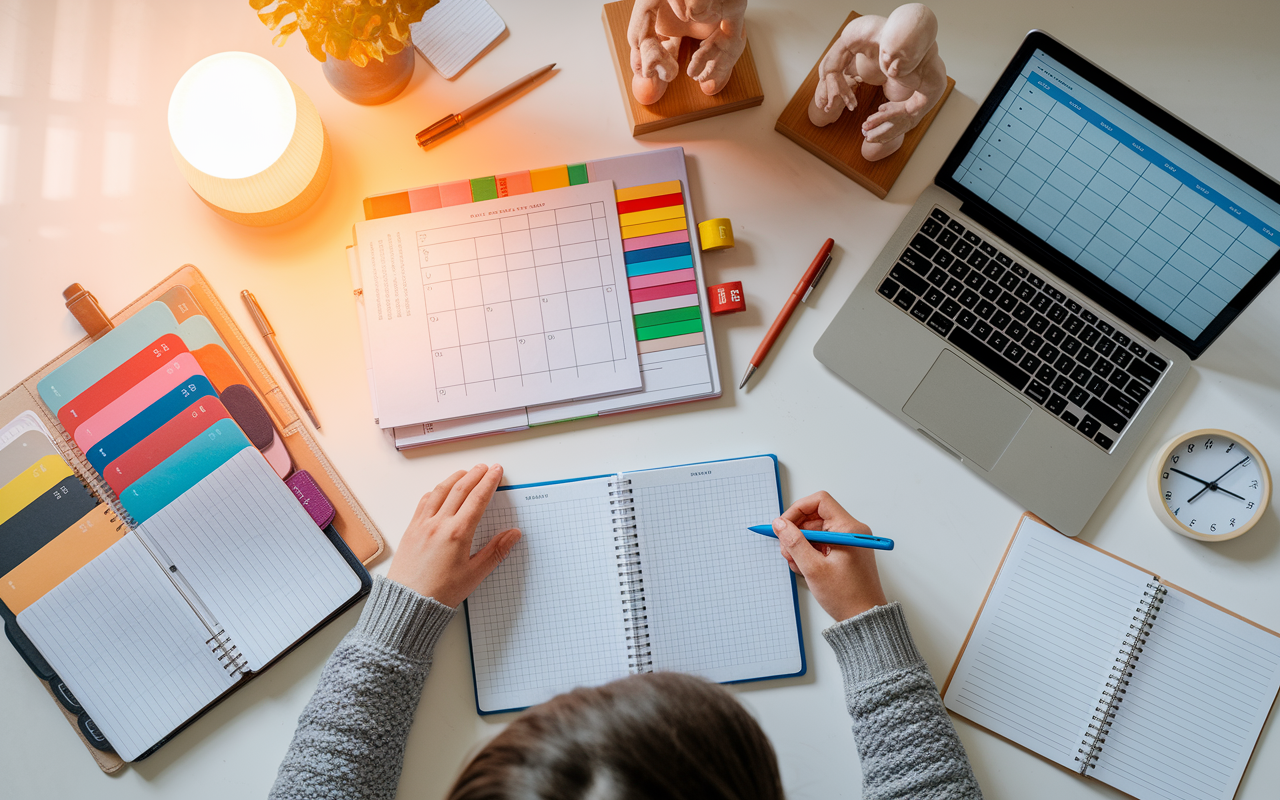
(438, 130)
(264, 327)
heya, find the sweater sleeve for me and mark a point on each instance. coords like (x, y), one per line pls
(906, 742)
(351, 736)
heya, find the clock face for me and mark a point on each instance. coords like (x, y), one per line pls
(1213, 484)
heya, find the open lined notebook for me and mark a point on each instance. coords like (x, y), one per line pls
(634, 572)
(1109, 671)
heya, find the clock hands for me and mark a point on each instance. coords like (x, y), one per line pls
(1213, 485)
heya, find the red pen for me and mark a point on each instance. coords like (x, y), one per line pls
(798, 295)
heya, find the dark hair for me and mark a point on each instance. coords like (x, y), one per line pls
(662, 734)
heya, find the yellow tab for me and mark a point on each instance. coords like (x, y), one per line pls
(716, 234)
(652, 190)
(60, 558)
(651, 215)
(18, 493)
(549, 178)
(650, 228)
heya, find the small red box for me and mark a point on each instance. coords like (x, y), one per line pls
(727, 298)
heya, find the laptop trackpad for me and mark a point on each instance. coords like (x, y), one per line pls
(967, 410)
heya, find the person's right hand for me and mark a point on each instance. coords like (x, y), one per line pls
(843, 579)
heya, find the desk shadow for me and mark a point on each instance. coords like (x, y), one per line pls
(270, 685)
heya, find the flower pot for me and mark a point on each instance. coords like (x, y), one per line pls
(376, 82)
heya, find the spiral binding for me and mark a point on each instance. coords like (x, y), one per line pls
(626, 547)
(227, 653)
(1104, 712)
(90, 477)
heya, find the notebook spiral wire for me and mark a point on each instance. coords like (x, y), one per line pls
(1144, 617)
(227, 652)
(626, 548)
(89, 477)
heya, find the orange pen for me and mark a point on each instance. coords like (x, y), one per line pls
(798, 295)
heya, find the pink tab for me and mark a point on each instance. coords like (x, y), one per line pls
(514, 183)
(457, 193)
(660, 278)
(666, 290)
(655, 240)
(424, 199)
(131, 403)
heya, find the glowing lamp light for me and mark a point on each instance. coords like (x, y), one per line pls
(249, 142)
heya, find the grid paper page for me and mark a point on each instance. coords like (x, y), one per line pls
(1038, 659)
(549, 618)
(454, 32)
(129, 647)
(721, 599)
(1139, 209)
(497, 305)
(253, 556)
(1196, 704)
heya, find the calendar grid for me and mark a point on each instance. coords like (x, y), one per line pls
(527, 299)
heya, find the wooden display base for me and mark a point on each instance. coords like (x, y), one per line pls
(684, 100)
(840, 143)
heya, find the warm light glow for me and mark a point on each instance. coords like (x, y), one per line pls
(232, 115)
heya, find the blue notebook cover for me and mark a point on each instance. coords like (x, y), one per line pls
(522, 633)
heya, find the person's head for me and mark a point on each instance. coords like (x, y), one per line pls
(662, 735)
(905, 39)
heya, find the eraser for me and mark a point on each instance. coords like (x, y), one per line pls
(308, 492)
(726, 298)
(247, 411)
(716, 234)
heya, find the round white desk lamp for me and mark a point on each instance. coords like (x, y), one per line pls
(249, 141)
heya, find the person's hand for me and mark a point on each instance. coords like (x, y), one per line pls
(890, 121)
(843, 579)
(434, 558)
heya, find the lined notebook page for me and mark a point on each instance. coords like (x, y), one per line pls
(1037, 661)
(720, 599)
(549, 618)
(454, 32)
(1199, 695)
(129, 647)
(253, 556)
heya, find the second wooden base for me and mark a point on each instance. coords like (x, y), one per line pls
(840, 143)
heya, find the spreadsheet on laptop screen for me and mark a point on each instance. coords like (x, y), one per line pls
(1125, 199)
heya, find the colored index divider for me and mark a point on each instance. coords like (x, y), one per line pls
(39, 477)
(647, 228)
(656, 253)
(578, 174)
(144, 424)
(648, 203)
(50, 565)
(549, 178)
(484, 189)
(173, 373)
(649, 190)
(670, 329)
(119, 380)
(665, 317)
(164, 442)
(41, 520)
(193, 462)
(659, 265)
(651, 215)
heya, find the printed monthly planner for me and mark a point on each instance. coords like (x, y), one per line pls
(1114, 673)
(497, 305)
(634, 572)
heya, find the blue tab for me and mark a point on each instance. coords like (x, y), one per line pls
(192, 463)
(661, 265)
(654, 253)
(119, 441)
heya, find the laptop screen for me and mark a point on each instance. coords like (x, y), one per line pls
(1130, 202)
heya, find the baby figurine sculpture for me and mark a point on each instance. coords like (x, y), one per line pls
(655, 32)
(899, 53)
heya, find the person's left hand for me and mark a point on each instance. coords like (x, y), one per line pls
(434, 558)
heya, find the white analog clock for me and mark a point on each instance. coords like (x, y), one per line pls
(1209, 485)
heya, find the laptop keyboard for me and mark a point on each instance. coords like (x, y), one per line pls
(1048, 346)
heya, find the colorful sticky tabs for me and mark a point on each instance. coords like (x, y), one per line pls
(38, 477)
(119, 380)
(172, 373)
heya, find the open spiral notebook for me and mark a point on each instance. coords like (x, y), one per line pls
(1111, 672)
(634, 572)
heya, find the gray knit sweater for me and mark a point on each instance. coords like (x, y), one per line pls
(350, 737)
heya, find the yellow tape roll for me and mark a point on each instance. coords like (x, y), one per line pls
(716, 234)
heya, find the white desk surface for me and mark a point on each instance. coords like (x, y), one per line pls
(89, 193)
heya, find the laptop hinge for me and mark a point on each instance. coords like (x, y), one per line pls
(1065, 269)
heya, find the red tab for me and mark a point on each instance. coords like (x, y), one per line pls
(163, 442)
(646, 203)
(119, 380)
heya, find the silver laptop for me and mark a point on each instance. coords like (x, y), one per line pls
(1044, 298)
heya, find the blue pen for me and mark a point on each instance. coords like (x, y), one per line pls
(831, 537)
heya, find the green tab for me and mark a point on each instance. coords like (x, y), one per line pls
(670, 315)
(484, 189)
(578, 174)
(669, 329)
